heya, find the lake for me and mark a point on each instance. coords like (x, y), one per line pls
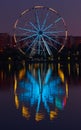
(40, 96)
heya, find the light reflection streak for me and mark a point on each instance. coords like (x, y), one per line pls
(53, 114)
(41, 90)
(77, 69)
(66, 89)
(69, 69)
(25, 112)
(9, 67)
(39, 116)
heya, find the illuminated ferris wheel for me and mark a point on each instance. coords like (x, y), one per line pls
(40, 30)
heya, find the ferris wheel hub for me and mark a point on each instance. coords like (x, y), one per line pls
(40, 32)
(43, 33)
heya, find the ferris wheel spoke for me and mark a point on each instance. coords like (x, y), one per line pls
(34, 45)
(53, 32)
(45, 20)
(48, 37)
(40, 35)
(52, 45)
(47, 47)
(33, 26)
(57, 20)
(39, 44)
(49, 26)
(37, 19)
(27, 37)
(34, 42)
(25, 29)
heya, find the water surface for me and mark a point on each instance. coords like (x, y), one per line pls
(40, 96)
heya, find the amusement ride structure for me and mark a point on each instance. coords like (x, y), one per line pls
(40, 31)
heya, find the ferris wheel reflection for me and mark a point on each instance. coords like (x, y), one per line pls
(41, 92)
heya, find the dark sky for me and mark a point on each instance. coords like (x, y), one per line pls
(70, 10)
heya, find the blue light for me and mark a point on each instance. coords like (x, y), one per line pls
(44, 22)
(39, 35)
(36, 91)
(48, 75)
(27, 37)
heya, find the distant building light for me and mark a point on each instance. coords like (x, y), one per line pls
(58, 58)
(9, 58)
(77, 52)
(68, 57)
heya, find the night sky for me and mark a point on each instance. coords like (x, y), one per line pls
(70, 10)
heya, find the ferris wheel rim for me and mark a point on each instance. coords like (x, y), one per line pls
(41, 7)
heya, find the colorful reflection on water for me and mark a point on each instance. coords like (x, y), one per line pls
(35, 96)
(40, 92)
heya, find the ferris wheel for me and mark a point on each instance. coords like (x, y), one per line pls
(40, 30)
